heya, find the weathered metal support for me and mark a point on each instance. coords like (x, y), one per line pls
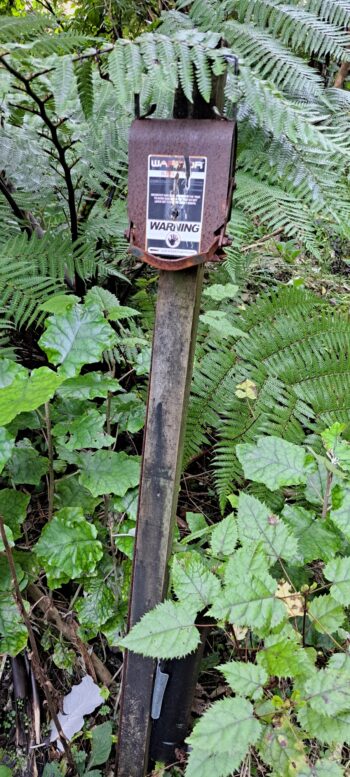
(173, 348)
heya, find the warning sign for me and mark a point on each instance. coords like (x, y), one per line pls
(175, 198)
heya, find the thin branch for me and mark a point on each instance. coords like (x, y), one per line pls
(37, 668)
(262, 240)
(342, 75)
(17, 211)
(54, 139)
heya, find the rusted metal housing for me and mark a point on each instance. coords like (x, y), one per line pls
(211, 140)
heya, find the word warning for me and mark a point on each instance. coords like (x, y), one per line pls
(175, 196)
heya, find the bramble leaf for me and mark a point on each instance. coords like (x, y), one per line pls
(338, 571)
(67, 547)
(322, 768)
(78, 336)
(96, 606)
(256, 523)
(246, 679)
(229, 727)
(316, 537)
(250, 602)
(273, 461)
(327, 691)
(108, 472)
(224, 536)
(168, 631)
(193, 582)
(282, 748)
(326, 614)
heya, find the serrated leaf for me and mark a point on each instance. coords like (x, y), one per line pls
(326, 614)
(101, 744)
(78, 336)
(13, 509)
(109, 304)
(219, 291)
(246, 679)
(168, 631)
(193, 582)
(256, 523)
(108, 472)
(89, 386)
(67, 547)
(202, 763)
(340, 511)
(96, 607)
(13, 633)
(229, 726)
(26, 465)
(196, 522)
(327, 729)
(250, 560)
(86, 431)
(327, 691)
(59, 303)
(224, 536)
(338, 571)
(7, 444)
(283, 656)
(282, 748)
(129, 412)
(251, 602)
(322, 768)
(273, 462)
(316, 537)
(21, 391)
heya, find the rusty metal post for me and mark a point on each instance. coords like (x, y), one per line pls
(171, 370)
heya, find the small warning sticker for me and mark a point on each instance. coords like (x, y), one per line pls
(175, 198)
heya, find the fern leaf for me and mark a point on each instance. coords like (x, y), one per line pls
(85, 87)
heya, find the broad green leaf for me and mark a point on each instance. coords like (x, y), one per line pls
(13, 509)
(256, 523)
(78, 336)
(168, 631)
(96, 607)
(67, 547)
(328, 691)
(326, 614)
(196, 521)
(59, 303)
(86, 431)
(6, 582)
(332, 436)
(7, 444)
(101, 744)
(70, 493)
(202, 763)
(322, 768)
(129, 412)
(250, 560)
(126, 504)
(327, 729)
(13, 633)
(219, 291)
(338, 571)
(316, 537)
(109, 304)
(283, 656)
(224, 536)
(9, 537)
(246, 679)
(125, 537)
(52, 770)
(193, 582)
(26, 465)
(340, 511)
(229, 726)
(273, 461)
(89, 386)
(218, 320)
(21, 391)
(250, 602)
(282, 748)
(108, 472)
(5, 771)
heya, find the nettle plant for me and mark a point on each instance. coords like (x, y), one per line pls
(275, 576)
(67, 494)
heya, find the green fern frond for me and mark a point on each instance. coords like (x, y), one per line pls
(297, 27)
(274, 61)
(333, 11)
(85, 86)
(23, 28)
(185, 68)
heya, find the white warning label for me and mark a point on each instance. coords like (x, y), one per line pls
(175, 198)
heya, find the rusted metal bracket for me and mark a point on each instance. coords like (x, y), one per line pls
(177, 219)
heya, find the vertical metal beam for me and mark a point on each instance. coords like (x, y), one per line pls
(172, 359)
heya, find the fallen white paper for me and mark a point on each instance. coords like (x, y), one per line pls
(80, 701)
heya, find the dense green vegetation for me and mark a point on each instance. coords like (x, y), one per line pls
(262, 541)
